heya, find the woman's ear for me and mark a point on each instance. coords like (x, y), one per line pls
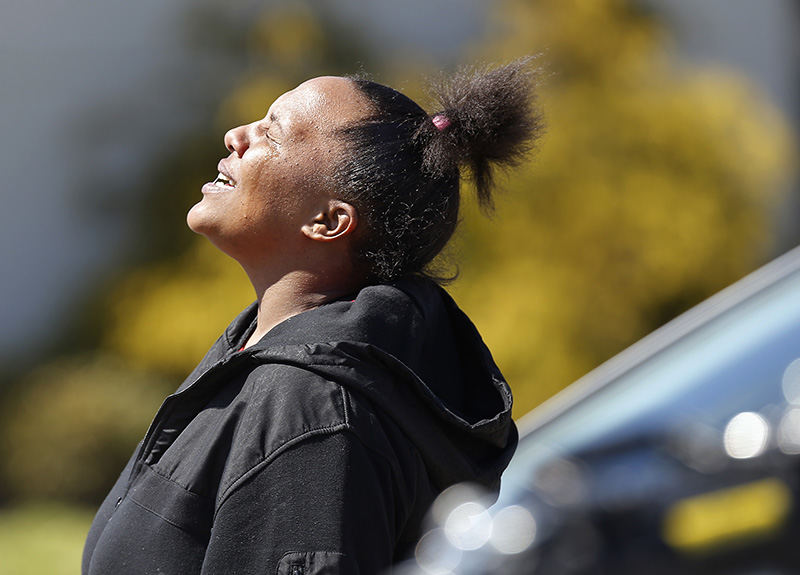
(336, 221)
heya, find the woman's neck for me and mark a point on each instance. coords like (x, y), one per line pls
(290, 295)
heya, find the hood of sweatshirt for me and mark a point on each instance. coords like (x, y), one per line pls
(415, 355)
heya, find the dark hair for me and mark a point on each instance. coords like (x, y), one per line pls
(402, 172)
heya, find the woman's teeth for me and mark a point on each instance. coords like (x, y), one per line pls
(224, 181)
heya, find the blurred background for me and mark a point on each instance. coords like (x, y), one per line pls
(668, 171)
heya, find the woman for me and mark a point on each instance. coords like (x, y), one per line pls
(318, 429)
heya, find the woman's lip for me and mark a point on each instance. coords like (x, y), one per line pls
(222, 168)
(212, 188)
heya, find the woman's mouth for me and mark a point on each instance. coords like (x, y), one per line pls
(224, 181)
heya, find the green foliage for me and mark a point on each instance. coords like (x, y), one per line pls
(72, 425)
(42, 538)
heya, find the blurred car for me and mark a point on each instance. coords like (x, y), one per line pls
(679, 455)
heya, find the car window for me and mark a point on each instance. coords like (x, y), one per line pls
(745, 361)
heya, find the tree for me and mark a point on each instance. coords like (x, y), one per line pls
(651, 190)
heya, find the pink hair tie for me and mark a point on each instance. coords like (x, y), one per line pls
(440, 121)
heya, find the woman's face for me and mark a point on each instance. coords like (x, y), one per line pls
(278, 175)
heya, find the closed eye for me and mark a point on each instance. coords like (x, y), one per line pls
(275, 124)
(269, 136)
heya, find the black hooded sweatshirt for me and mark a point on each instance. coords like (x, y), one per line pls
(317, 450)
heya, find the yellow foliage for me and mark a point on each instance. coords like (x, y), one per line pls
(581, 39)
(72, 425)
(166, 316)
(250, 101)
(291, 37)
(651, 188)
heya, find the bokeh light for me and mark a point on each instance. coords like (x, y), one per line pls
(469, 526)
(746, 435)
(435, 555)
(561, 482)
(791, 382)
(789, 432)
(451, 498)
(513, 529)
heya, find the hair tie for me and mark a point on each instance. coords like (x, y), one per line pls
(440, 121)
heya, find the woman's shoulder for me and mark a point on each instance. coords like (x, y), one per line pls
(282, 405)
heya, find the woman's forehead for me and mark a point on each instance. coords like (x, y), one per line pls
(330, 99)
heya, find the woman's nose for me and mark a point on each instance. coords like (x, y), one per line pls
(236, 140)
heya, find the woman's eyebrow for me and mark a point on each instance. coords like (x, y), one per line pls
(274, 120)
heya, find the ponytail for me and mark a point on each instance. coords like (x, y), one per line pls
(401, 166)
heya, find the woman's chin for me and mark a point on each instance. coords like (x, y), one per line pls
(199, 220)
